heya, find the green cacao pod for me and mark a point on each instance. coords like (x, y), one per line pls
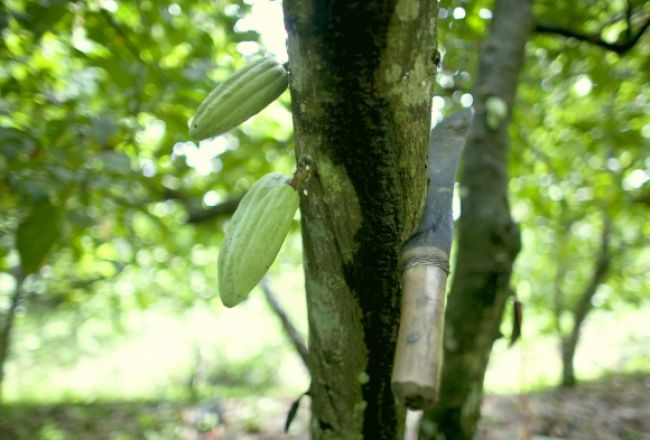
(254, 236)
(242, 95)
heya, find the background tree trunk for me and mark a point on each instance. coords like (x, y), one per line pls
(488, 240)
(584, 305)
(361, 79)
(8, 324)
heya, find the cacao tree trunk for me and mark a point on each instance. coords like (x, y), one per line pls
(569, 342)
(488, 239)
(361, 75)
(568, 349)
(7, 326)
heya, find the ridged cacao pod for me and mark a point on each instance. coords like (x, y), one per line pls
(254, 236)
(242, 95)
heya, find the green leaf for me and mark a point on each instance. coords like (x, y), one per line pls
(37, 234)
(115, 162)
(103, 128)
(15, 142)
(42, 16)
(293, 410)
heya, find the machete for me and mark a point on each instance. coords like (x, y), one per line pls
(424, 264)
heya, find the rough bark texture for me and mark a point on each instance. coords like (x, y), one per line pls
(488, 239)
(360, 78)
(584, 306)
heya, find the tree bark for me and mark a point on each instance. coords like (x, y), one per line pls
(361, 75)
(584, 306)
(488, 239)
(7, 326)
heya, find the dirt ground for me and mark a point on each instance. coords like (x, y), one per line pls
(617, 408)
(614, 409)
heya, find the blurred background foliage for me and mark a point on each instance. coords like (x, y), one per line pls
(580, 159)
(111, 217)
(106, 203)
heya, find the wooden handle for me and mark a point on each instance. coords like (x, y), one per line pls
(418, 356)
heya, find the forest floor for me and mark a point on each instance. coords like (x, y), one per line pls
(614, 408)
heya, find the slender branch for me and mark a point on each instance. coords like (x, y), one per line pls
(228, 206)
(643, 197)
(224, 208)
(118, 29)
(192, 205)
(628, 18)
(287, 325)
(135, 52)
(195, 212)
(620, 47)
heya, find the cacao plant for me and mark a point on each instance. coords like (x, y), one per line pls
(242, 95)
(254, 236)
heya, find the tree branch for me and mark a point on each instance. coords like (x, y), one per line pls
(224, 208)
(629, 10)
(130, 46)
(287, 325)
(620, 47)
(191, 204)
(643, 197)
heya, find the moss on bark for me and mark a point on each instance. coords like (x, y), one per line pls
(360, 89)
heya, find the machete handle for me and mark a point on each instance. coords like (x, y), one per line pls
(418, 357)
(424, 264)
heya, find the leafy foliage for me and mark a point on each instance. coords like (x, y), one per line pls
(36, 235)
(580, 142)
(105, 201)
(96, 165)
